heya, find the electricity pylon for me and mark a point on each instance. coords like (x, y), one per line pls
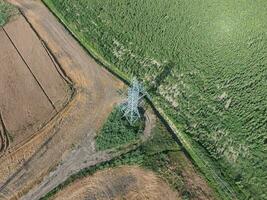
(130, 105)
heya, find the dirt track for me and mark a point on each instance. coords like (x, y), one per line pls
(96, 93)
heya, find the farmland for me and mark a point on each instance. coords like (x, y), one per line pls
(32, 93)
(205, 63)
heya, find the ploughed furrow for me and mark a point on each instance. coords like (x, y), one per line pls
(38, 61)
(24, 107)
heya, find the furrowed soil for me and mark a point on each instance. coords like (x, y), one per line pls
(127, 182)
(41, 63)
(20, 94)
(32, 93)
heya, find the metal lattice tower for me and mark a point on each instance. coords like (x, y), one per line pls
(130, 106)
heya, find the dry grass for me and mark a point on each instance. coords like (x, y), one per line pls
(131, 183)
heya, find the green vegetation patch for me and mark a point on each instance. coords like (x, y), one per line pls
(117, 131)
(6, 11)
(206, 62)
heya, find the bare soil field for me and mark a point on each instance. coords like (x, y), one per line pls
(32, 91)
(131, 183)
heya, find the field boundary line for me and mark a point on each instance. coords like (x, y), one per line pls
(59, 69)
(28, 67)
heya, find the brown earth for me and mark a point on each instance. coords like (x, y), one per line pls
(19, 93)
(38, 58)
(31, 89)
(32, 92)
(131, 183)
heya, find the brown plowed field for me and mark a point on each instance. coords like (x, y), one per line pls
(131, 183)
(39, 61)
(32, 92)
(23, 105)
(31, 89)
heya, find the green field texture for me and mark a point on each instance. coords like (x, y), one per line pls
(6, 11)
(205, 63)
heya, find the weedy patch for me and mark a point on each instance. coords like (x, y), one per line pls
(6, 11)
(117, 131)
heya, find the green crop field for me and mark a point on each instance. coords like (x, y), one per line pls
(205, 63)
(6, 10)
